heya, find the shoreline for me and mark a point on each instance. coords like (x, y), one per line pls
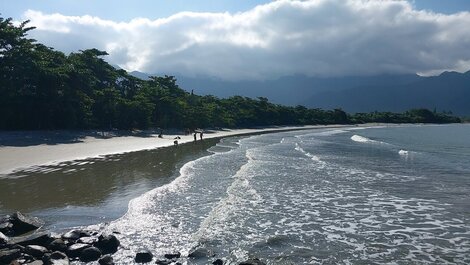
(19, 158)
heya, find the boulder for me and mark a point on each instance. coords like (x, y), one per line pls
(173, 255)
(36, 251)
(58, 245)
(59, 262)
(6, 227)
(3, 239)
(8, 255)
(41, 239)
(75, 250)
(71, 235)
(23, 224)
(88, 240)
(106, 260)
(143, 256)
(254, 261)
(90, 254)
(218, 262)
(201, 253)
(36, 262)
(57, 258)
(107, 244)
(58, 255)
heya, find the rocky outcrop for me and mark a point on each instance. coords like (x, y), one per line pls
(18, 224)
(41, 248)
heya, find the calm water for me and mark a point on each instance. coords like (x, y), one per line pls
(396, 195)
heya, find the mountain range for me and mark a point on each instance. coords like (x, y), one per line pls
(449, 91)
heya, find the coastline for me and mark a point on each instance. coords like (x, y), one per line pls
(15, 158)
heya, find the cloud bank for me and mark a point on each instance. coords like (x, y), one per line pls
(314, 37)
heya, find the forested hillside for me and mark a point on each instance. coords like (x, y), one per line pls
(41, 88)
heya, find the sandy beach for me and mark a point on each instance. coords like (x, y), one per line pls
(16, 157)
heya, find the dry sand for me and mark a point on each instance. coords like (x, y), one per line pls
(16, 157)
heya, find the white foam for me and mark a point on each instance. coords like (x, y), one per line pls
(362, 139)
(403, 152)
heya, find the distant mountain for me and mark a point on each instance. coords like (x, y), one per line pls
(449, 91)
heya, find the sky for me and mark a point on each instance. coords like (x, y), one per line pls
(258, 39)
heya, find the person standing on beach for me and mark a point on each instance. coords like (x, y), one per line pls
(195, 138)
(200, 135)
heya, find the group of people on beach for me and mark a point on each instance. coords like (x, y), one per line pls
(175, 142)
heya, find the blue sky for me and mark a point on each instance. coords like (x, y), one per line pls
(258, 39)
(152, 9)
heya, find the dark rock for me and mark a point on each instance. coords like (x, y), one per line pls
(6, 227)
(84, 233)
(163, 262)
(36, 262)
(71, 235)
(20, 247)
(143, 256)
(88, 240)
(75, 250)
(107, 244)
(59, 262)
(201, 253)
(218, 262)
(23, 224)
(173, 256)
(254, 261)
(3, 239)
(8, 255)
(36, 251)
(90, 254)
(58, 255)
(41, 239)
(106, 260)
(58, 245)
(58, 258)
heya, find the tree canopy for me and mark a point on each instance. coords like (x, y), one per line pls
(41, 88)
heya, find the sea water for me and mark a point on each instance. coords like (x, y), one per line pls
(396, 195)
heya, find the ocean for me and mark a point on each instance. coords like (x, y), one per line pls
(379, 195)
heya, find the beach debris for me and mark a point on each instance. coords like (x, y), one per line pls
(143, 256)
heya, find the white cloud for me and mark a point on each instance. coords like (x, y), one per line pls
(316, 37)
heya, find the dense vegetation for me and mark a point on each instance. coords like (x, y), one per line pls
(41, 88)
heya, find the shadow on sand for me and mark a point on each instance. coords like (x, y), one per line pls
(31, 138)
